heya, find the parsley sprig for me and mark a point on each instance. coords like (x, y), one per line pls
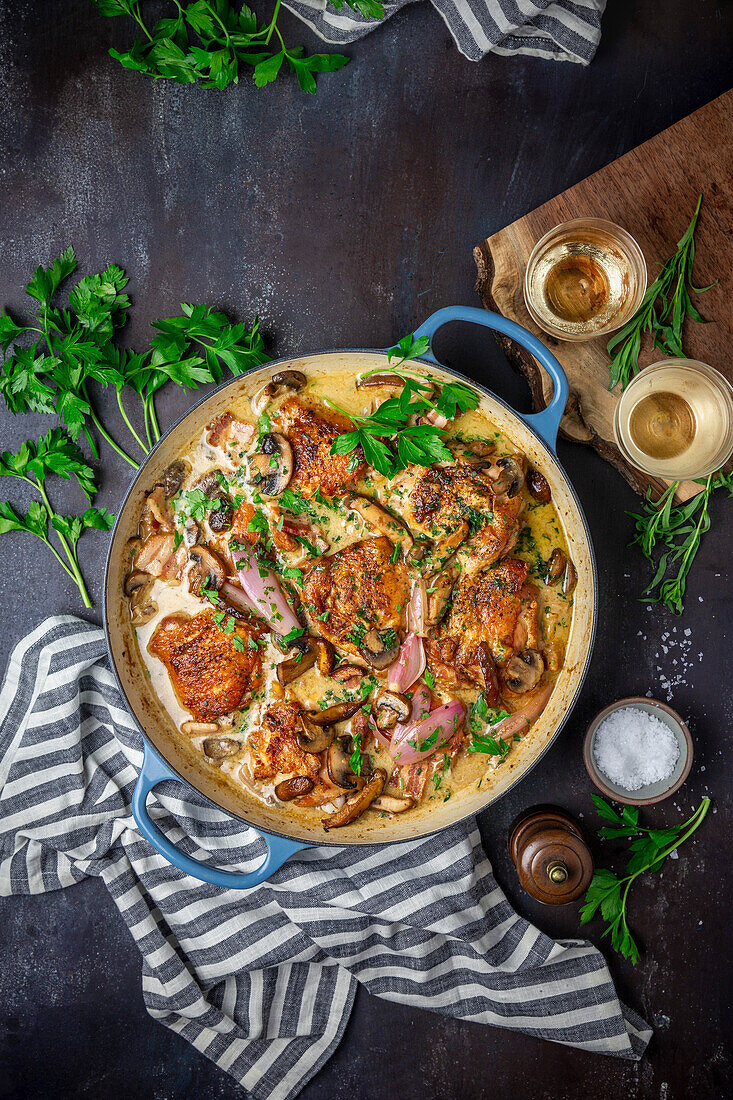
(388, 437)
(480, 719)
(678, 531)
(662, 312)
(50, 364)
(649, 849)
(54, 453)
(210, 42)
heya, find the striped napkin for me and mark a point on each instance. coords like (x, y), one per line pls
(559, 30)
(262, 981)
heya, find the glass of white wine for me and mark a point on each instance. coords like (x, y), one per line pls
(584, 278)
(675, 420)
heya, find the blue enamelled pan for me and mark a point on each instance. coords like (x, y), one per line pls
(167, 755)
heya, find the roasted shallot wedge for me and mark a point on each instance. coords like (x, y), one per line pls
(262, 589)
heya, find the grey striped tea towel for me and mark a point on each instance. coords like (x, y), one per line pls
(262, 981)
(560, 30)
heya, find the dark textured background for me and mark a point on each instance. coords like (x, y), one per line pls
(344, 219)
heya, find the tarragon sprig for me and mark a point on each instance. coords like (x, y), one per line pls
(54, 453)
(679, 531)
(649, 849)
(662, 312)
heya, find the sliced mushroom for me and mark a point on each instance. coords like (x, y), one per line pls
(199, 727)
(524, 671)
(475, 453)
(378, 651)
(325, 655)
(438, 589)
(210, 485)
(133, 581)
(218, 748)
(338, 765)
(418, 553)
(142, 605)
(293, 667)
(173, 477)
(368, 381)
(235, 600)
(282, 382)
(391, 804)
(379, 518)
(391, 707)
(539, 486)
(489, 674)
(356, 804)
(312, 737)
(570, 579)
(348, 675)
(191, 533)
(555, 566)
(339, 712)
(510, 478)
(207, 570)
(272, 465)
(294, 788)
(220, 518)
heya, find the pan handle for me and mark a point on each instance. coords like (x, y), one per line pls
(545, 423)
(153, 772)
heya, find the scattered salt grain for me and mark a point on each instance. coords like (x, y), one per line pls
(633, 748)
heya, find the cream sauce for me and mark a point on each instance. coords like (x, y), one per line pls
(541, 532)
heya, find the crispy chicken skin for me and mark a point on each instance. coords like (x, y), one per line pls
(311, 430)
(448, 502)
(496, 606)
(274, 747)
(210, 676)
(356, 590)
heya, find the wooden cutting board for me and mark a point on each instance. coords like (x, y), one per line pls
(652, 192)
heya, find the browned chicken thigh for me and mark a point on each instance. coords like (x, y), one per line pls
(274, 746)
(311, 430)
(356, 598)
(457, 505)
(495, 607)
(212, 672)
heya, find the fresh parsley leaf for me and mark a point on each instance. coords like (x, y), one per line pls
(370, 9)
(408, 348)
(607, 892)
(356, 759)
(210, 44)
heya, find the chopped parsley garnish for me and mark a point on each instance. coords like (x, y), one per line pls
(356, 759)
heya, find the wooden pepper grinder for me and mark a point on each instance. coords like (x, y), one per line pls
(553, 862)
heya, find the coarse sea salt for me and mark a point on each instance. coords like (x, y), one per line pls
(633, 748)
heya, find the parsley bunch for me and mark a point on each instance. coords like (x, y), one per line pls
(54, 453)
(679, 531)
(649, 849)
(50, 363)
(388, 437)
(209, 42)
(662, 312)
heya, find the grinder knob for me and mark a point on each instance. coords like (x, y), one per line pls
(553, 862)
